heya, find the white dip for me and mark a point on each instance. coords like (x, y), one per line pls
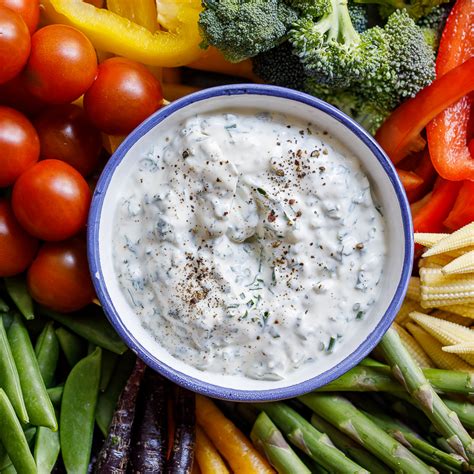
(249, 243)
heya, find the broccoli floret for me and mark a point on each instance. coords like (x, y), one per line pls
(368, 114)
(408, 63)
(313, 8)
(279, 66)
(329, 47)
(243, 28)
(415, 8)
(359, 16)
(432, 24)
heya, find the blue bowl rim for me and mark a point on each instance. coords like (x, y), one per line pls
(192, 383)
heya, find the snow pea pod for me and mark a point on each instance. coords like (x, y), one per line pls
(56, 394)
(47, 353)
(18, 291)
(38, 405)
(108, 399)
(9, 378)
(74, 347)
(13, 438)
(46, 449)
(77, 412)
(91, 326)
(5, 461)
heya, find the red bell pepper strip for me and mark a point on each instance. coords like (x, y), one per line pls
(448, 133)
(463, 210)
(425, 170)
(431, 216)
(400, 133)
(409, 179)
(471, 148)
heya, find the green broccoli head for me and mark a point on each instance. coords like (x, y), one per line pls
(313, 8)
(433, 24)
(407, 63)
(328, 47)
(243, 28)
(279, 66)
(359, 16)
(368, 114)
(415, 8)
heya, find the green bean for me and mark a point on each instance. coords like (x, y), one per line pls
(77, 413)
(18, 291)
(93, 327)
(46, 449)
(74, 347)
(55, 395)
(109, 360)
(47, 353)
(108, 399)
(5, 461)
(13, 438)
(9, 378)
(38, 405)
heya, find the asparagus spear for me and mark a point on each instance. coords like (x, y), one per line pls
(445, 421)
(315, 444)
(416, 445)
(270, 441)
(347, 418)
(349, 447)
(378, 379)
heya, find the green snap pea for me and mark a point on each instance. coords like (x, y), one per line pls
(18, 291)
(55, 395)
(109, 360)
(13, 438)
(9, 378)
(74, 347)
(46, 449)
(5, 461)
(47, 353)
(108, 400)
(91, 326)
(38, 405)
(77, 412)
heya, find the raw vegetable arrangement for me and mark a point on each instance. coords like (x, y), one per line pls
(75, 78)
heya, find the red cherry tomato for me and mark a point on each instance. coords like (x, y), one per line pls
(27, 9)
(15, 44)
(66, 134)
(19, 145)
(17, 248)
(15, 94)
(123, 95)
(62, 64)
(59, 276)
(51, 200)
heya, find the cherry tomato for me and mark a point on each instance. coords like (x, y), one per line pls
(59, 276)
(62, 64)
(17, 248)
(123, 95)
(19, 145)
(15, 94)
(51, 200)
(66, 134)
(27, 9)
(15, 44)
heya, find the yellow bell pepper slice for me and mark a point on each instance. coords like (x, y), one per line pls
(141, 12)
(177, 46)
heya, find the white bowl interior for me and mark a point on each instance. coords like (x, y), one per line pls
(381, 186)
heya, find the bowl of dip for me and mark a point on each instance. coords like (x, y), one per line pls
(250, 242)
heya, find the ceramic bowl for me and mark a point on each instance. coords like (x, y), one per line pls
(385, 185)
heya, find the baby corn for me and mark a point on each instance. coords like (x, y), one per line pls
(466, 348)
(412, 346)
(463, 264)
(434, 350)
(451, 317)
(462, 238)
(466, 310)
(408, 306)
(436, 261)
(413, 291)
(427, 239)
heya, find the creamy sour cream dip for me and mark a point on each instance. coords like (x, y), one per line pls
(249, 243)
